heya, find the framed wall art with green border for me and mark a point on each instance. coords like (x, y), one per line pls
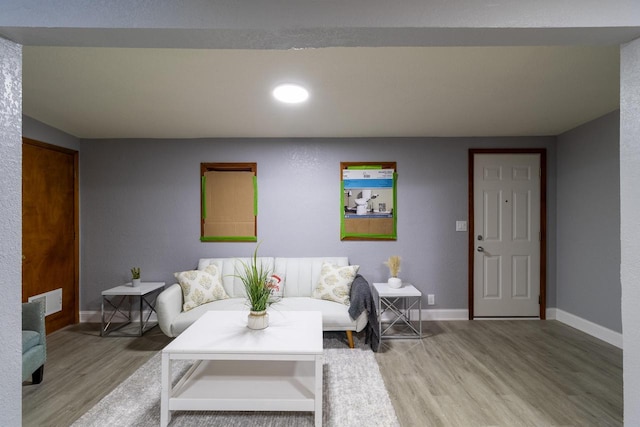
(229, 202)
(368, 201)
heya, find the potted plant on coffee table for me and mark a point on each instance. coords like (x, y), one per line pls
(255, 277)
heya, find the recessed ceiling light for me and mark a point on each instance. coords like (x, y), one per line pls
(291, 94)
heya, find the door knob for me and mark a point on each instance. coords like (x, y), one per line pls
(480, 249)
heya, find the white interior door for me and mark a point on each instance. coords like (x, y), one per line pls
(506, 235)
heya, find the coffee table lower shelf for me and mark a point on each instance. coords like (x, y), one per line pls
(248, 385)
(233, 385)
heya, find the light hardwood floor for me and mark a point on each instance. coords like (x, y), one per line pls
(503, 373)
(81, 369)
(478, 373)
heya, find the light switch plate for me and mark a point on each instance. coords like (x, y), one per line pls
(461, 225)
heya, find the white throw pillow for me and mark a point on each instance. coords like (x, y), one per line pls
(334, 283)
(200, 286)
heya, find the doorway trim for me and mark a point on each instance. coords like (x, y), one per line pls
(76, 216)
(543, 221)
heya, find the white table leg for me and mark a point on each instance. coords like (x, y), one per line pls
(318, 392)
(102, 317)
(141, 298)
(420, 315)
(165, 414)
(379, 315)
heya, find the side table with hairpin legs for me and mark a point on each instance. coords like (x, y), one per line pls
(126, 301)
(394, 310)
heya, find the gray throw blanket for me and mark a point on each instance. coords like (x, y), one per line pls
(361, 300)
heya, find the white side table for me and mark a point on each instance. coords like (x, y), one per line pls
(398, 302)
(146, 295)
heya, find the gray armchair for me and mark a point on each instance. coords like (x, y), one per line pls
(34, 344)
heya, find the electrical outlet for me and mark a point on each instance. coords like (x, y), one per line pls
(431, 299)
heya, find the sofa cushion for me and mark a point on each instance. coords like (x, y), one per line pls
(335, 317)
(229, 268)
(334, 283)
(301, 274)
(200, 287)
(29, 339)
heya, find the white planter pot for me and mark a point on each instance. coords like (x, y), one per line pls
(135, 282)
(258, 319)
(394, 282)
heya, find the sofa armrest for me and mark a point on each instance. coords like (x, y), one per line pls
(168, 307)
(33, 318)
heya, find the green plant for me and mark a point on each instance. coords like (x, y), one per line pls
(255, 278)
(135, 272)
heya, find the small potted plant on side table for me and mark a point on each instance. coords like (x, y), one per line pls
(135, 277)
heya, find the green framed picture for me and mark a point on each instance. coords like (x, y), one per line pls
(229, 202)
(368, 201)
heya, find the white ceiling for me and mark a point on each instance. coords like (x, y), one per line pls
(355, 92)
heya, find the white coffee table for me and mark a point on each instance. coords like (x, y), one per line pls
(238, 369)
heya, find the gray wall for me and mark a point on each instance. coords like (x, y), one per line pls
(11, 232)
(588, 234)
(140, 207)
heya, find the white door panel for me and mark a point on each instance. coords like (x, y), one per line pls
(507, 234)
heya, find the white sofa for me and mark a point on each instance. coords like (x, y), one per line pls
(299, 275)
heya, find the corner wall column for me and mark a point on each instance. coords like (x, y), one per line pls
(11, 232)
(630, 225)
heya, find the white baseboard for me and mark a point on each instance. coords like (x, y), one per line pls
(432, 315)
(595, 330)
(94, 316)
(607, 335)
(90, 316)
(445, 314)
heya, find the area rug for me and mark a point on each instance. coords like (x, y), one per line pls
(353, 394)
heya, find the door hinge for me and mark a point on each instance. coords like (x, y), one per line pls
(539, 301)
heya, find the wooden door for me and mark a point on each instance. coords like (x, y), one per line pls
(507, 235)
(50, 227)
